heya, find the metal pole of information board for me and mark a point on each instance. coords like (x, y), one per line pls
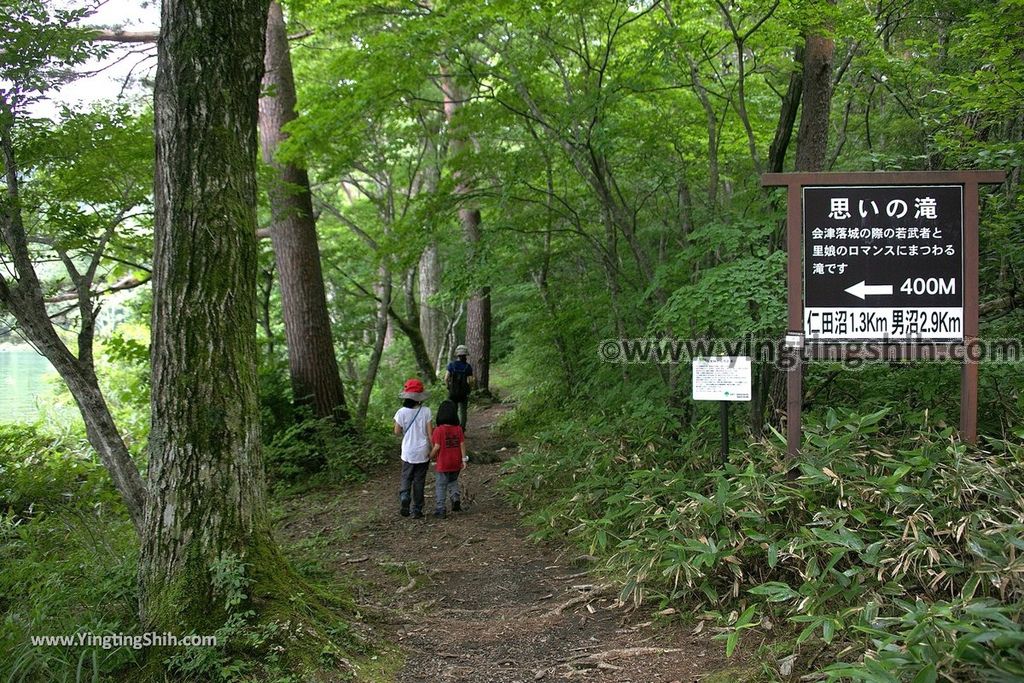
(723, 419)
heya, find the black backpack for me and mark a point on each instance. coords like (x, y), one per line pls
(458, 386)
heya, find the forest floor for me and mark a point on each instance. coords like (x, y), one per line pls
(472, 598)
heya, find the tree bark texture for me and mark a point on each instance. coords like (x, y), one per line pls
(812, 138)
(811, 146)
(410, 327)
(206, 482)
(431, 318)
(787, 115)
(380, 332)
(312, 364)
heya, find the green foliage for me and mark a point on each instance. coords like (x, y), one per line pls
(66, 574)
(43, 472)
(69, 559)
(613, 150)
(301, 449)
(741, 297)
(886, 540)
(70, 556)
(37, 47)
(278, 628)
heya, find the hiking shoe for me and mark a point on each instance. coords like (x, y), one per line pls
(404, 510)
(417, 514)
(456, 506)
(440, 514)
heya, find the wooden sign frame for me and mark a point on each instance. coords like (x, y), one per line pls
(794, 183)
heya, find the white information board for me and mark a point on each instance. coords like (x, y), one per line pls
(721, 378)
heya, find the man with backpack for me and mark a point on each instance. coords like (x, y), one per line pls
(458, 377)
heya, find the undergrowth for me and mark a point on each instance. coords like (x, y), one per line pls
(68, 562)
(890, 550)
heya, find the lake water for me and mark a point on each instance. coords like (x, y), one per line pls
(26, 379)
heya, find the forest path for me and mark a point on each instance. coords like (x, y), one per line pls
(472, 598)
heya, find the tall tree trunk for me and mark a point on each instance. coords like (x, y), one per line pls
(307, 324)
(478, 308)
(431, 318)
(811, 145)
(478, 336)
(712, 119)
(103, 433)
(380, 332)
(812, 139)
(787, 115)
(419, 350)
(266, 294)
(206, 483)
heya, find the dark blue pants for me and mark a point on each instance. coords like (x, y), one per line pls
(411, 490)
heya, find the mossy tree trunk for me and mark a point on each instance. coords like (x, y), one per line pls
(206, 482)
(307, 324)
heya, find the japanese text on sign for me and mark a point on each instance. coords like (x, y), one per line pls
(883, 262)
(721, 378)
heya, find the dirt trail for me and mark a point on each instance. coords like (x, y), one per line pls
(471, 598)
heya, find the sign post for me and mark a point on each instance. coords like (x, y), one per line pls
(890, 258)
(723, 422)
(722, 379)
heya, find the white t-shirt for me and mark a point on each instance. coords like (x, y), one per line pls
(415, 439)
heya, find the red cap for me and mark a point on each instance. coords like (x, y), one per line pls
(413, 386)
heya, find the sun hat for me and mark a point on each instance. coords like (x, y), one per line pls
(461, 350)
(413, 389)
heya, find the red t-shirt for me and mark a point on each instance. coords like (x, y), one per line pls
(449, 438)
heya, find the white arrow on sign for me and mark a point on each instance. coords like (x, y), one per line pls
(860, 290)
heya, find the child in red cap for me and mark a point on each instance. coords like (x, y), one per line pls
(413, 424)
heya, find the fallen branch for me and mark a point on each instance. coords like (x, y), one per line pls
(601, 660)
(624, 652)
(577, 575)
(589, 593)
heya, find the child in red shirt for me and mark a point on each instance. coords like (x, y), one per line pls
(449, 453)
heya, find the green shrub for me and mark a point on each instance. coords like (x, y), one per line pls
(40, 471)
(65, 573)
(301, 448)
(318, 449)
(68, 555)
(886, 539)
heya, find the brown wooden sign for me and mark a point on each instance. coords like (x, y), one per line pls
(890, 257)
